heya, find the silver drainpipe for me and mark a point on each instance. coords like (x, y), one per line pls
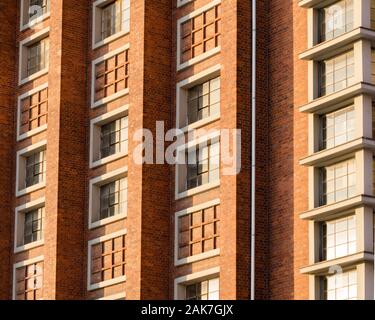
(253, 149)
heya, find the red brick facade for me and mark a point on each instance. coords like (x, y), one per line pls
(132, 254)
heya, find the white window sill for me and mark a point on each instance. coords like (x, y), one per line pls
(117, 296)
(112, 97)
(28, 190)
(108, 159)
(29, 246)
(33, 23)
(32, 133)
(103, 222)
(198, 257)
(182, 3)
(200, 58)
(197, 190)
(107, 283)
(200, 123)
(33, 76)
(109, 39)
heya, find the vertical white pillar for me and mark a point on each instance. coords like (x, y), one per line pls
(365, 281)
(363, 162)
(362, 61)
(363, 116)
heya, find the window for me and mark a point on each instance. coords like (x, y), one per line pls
(198, 232)
(34, 56)
(33, 11)
(198, 165)
(31, 168)
(337, 73)
(340, 286)
(28, 280)
(372, 15)
(198, 99)
(203, 165)
(29, 225)
(338, 127)
(114, 137)
(108, 198)
(373, 66)
(107, 260)
(110, 77)
(38, 8)
(338, 182)
(199, 34)
(336, 19)
(205, 290)
(204, 100)
(113, 198)
(109, 137)
(111, 20)
(35, 168)
(37, 56)
(339, 238)
(33, 109)
(33, 225)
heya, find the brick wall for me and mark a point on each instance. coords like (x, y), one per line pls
(7, 82)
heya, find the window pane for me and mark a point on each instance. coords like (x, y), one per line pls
(338, 182)
(336, 20)
(203, 100)
(336, 73)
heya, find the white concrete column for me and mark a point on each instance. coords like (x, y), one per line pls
(363, 116)
(365, 281)
(312, 27)
(363, 162)
(313, 187)
(361, 13)
(314, 242)
(313, 87)
(314, 287)
(314, 133)
(362, 61)
(365, 229)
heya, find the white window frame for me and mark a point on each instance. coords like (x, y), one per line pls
(347, 242)
(19, 225)
(35, 131)
(181, 3)
(181, 282)
(117, 296)
(198, 257)
(95, 104)
(24, 44)
(182, 98)
(95, 132)
(96, 18)
(215, 135)
(204, 56)
(94, 194)
(107, 283)
(21, 163)
(25, 25)
(20, 265)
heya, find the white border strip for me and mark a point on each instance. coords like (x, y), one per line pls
(198, 257)
(194, 276)
(95, 104)
(203, 56)
(20, 265)
(35, 131)
(107, 283)
(19, 210)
